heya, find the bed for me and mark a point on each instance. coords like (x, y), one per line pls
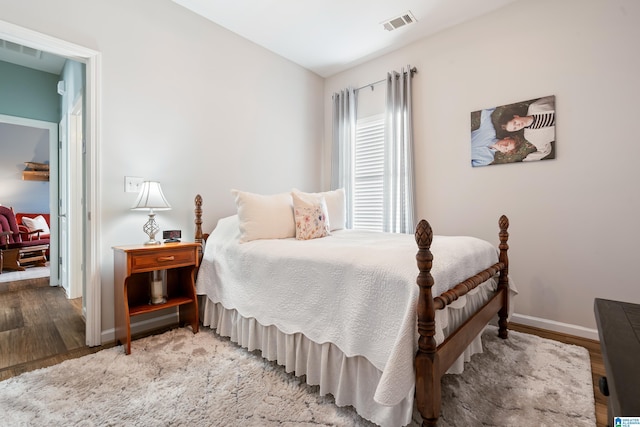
(344, 310)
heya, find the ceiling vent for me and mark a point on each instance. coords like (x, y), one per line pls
(400, 21)
(20, 50)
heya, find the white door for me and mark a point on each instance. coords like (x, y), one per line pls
(63, 203)
(75, 190)
(70, 190)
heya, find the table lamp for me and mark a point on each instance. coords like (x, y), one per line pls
(151, 199)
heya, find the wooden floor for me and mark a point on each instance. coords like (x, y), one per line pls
(40, 327)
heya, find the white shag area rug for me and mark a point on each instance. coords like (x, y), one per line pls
(185, 379)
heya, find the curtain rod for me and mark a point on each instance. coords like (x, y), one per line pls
(371, 85)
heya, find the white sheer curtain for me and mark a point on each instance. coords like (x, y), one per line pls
(342, 150)
(399, 177)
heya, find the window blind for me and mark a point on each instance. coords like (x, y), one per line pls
(368, 173)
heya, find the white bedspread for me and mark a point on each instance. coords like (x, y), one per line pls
(355, 289)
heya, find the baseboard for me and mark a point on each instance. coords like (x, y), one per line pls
(552, 325)
(159, 322)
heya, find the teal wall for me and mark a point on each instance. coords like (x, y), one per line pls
(29, 93)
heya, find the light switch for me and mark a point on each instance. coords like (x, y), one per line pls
(132, 184)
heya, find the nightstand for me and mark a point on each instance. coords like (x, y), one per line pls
(133, 268)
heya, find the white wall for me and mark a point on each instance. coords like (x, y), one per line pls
(574, 220)
(189, 104)
(22, 143)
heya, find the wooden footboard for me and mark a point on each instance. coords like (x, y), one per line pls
(432, 361)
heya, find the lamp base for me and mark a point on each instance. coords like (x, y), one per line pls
(151, 228)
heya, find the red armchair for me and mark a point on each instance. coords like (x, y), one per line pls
(16, 251)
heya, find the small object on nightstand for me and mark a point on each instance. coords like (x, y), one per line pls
(171, 236)
(158, 287)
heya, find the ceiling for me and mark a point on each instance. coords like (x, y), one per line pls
(325, 36)
(330, 36)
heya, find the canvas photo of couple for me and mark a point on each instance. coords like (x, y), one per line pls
(520, 132)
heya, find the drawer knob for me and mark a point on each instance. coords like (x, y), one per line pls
(166, 258)
(603, 385)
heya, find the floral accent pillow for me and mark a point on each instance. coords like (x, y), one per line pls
(335, 206)
(311, 217)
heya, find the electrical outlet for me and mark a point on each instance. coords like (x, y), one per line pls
(132, 184)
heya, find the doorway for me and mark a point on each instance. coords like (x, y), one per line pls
(88, 264)
(33, 197)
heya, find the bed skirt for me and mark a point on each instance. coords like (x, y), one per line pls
(351, 380)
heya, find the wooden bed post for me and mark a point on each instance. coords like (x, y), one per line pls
(503, 282)
(198, 221)
(431, 362)
(428, 393)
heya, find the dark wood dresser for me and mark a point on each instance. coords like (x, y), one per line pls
(619, 331)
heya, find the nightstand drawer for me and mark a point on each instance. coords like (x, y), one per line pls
(162, 259)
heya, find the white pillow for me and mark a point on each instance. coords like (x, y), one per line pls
(37, 223)
(336, 207)
(264, 217)
(311, 216)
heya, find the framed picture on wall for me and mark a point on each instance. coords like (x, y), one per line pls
(521, 132)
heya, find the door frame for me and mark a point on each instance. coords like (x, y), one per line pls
(91, 218)
(75, 247)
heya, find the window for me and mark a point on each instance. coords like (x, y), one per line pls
(368, 206)
(372, 155)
